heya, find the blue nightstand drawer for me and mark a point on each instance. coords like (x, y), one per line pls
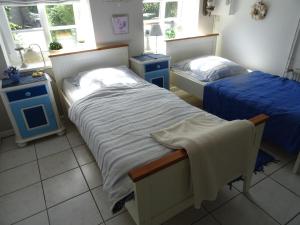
(156, 66)
(26, 93)
(34, 116)
(159, 78)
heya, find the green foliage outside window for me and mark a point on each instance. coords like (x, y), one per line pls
(150, 10)
(171, 9)
(170, 33)
(60, 15)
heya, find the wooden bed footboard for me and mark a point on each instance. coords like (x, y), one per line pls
(162, 187)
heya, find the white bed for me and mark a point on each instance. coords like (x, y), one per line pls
(160, 181)
(186, 82)
(194, 48)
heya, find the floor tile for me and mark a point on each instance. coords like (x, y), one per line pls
(188, 216)
(92, 174)
(103, 203)
(287, 178)
(280, 203)
(51, 145)
(64, 186)
(279, 154)
(8, 143)
(38, 219)
(123, 219)
(257, 177)
(208, 220)
(68, 124)
(295, 221)
(19, 177)
(57, 163)
(83, 154)
(74, 138)
(80, 210)
(240, 211)
(224, 195)
(16, 157)
(21, 204)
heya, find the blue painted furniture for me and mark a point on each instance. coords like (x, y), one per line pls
(154, 68)
(31, 107)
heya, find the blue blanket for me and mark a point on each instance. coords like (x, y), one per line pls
(245, 96)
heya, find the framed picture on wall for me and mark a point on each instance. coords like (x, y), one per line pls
(120, 24)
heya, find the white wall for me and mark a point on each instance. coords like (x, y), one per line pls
(205, 23)
(102, 12)
(265, 44)
(296, 57)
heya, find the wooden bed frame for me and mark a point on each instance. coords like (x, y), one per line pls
(162, 188)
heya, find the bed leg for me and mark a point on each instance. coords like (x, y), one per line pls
(297, 165)
(247, 184)
(252, 158)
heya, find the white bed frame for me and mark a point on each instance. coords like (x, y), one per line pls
(162, 187)
(185, 48)
(180, 49)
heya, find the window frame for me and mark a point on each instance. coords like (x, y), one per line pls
(7, 33)
(162, 10)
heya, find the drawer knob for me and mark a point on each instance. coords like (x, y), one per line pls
(27, 94)
(158, 66)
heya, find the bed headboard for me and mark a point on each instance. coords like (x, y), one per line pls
(69, 64)
(184, 48)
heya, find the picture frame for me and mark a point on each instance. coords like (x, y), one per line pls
(120, 24)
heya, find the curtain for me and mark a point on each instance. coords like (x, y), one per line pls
(31, 2)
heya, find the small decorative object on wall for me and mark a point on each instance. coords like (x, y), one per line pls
(54, 45)
(259, 10)
(13, 74)
(208, 7)
(120, 24)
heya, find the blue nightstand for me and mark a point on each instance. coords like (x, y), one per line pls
(154, 68)
(31, 108)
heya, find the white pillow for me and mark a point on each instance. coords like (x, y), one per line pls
(210, 68)
(106, 77)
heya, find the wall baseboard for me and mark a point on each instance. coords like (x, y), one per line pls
(6, 133)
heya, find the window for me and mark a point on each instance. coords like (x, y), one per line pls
(41, 24)
(167, 13)
(164, 12)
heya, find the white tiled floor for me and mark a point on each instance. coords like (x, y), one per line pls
(55, 181)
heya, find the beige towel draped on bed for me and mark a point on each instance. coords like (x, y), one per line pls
(217, 151)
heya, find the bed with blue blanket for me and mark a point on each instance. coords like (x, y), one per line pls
(244, 96)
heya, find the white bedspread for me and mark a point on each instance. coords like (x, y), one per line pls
(116, 124)
(217, 150)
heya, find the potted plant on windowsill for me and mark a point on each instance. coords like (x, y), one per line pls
(55, 47)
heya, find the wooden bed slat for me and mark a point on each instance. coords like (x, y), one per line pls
(141, 172)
